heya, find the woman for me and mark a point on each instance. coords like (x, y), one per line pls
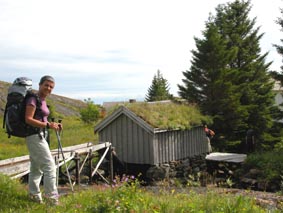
(41, 160)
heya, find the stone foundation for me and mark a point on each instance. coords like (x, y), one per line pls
(192, 169)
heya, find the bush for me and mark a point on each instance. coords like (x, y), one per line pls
(269, 163)
(90, 113)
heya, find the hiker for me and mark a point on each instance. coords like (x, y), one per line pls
(209, 134)
(41, 160)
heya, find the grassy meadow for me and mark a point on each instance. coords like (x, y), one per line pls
(127, 196)
(74, 132)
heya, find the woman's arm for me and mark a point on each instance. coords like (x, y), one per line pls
(30, 110)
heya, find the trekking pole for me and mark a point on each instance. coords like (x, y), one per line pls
(57, 161)
(60, 121)
(63, 156)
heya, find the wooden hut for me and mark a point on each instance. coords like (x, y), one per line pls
(138, 142)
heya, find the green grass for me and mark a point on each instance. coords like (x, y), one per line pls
(126, 197)
(168, 115)
(74, 132)
(123, 197)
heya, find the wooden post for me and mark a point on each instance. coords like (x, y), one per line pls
(77, 160)
(90, 166)
(111, 165)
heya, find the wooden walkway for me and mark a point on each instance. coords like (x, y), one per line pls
(226, 157)
(19, 166)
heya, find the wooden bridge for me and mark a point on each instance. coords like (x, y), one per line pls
(19, 166)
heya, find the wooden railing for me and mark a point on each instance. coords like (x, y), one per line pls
(19, 166)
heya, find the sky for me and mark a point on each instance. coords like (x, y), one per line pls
(110, 50)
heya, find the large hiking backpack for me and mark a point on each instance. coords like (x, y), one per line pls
(14, 115)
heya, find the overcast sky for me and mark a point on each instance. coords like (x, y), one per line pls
(109, 50)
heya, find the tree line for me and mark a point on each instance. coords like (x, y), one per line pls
(229, 79)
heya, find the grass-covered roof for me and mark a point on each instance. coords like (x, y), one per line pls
(168, 115)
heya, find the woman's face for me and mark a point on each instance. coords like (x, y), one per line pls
(46, 88)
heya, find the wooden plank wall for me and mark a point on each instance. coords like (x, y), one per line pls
(177, 145)
(133, 144)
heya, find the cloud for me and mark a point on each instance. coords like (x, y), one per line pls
(111, 48)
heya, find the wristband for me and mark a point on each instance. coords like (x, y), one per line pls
(47, 125)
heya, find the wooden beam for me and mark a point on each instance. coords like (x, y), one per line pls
(19, 166)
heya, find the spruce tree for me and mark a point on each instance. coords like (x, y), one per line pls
(207, 83)
(278, 75)
(230, 82)
(159, 89)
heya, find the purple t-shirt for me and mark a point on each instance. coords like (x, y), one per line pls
(44, 109)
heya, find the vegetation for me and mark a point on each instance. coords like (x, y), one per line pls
(269, 167)
(228, 81)
(159, 89)
(91, 113)
(279, 48)
(75, 132)
(168, 115)
(229, 78)
(126, 196)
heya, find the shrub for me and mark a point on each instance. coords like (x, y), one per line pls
(269, 163)
(90, 113)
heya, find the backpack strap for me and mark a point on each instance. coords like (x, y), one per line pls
(4, 119)
(38, 110)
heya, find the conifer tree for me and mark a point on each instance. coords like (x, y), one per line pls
(159, 89)
(229, 77)
(278, 75)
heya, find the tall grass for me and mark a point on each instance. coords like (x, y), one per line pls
(74, 132)
(168, 115)
(127, 197)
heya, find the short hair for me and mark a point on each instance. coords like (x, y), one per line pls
(46, 78)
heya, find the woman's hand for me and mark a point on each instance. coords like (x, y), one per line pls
(55, 126)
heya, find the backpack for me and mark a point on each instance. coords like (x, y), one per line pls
(14, 115)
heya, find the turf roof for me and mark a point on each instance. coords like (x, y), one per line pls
(168, 115)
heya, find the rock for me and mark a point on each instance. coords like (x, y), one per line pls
(249, 181)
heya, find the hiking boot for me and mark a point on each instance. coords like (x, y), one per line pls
(35, 199)
(53, 202)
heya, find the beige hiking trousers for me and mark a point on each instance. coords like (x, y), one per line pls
(41, 164)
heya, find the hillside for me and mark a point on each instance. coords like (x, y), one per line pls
(62, 105)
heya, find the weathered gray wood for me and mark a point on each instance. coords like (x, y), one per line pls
(19, 166)
(16, 168)
(14, 160)
(137, 142)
